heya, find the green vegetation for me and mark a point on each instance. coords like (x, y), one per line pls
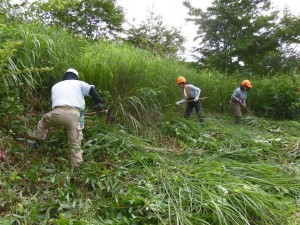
(246, 36)
(144, 163)
(152, 35)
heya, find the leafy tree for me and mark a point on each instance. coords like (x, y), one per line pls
(91, 18)
(3, 12)
(154, 36)
(240, 35)
(11, 12)
(289, 38)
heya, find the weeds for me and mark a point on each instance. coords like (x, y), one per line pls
(235, 180)
(145, 164)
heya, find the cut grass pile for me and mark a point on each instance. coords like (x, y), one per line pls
(174, 172)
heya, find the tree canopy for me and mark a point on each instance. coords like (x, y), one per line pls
(244, 35)
(91, 18)
(154, 36)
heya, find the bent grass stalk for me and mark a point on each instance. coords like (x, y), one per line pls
(217, 175)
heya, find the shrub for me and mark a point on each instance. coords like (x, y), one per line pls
(276, 97)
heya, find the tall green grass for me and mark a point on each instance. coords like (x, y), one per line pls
(135, 83)
(173, 172)
(138, 83)
(34, 55)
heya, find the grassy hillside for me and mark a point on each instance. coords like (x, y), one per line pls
(147, 164)
(175, 173)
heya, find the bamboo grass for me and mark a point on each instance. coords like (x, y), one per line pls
(219, 174)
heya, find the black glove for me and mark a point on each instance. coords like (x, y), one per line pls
(99, 109)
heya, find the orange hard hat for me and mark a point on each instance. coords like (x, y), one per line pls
(247, 83)
(180, 80)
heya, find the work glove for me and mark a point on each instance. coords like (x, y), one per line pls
(99, 109)
(178, 103)
(196, 99)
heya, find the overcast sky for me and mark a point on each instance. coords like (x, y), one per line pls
(174, 13)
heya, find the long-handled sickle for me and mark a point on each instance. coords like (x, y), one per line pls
(94, 113)
(244, 106)
(187, 101)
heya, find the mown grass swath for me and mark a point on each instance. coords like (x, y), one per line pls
(147, 164)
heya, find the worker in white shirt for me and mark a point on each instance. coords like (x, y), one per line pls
(67, 103)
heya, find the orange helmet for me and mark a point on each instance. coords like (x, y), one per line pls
(180, 80)
(247, 83)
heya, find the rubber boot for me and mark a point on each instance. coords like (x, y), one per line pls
(34, 144)
(201, 120)
(238, 120)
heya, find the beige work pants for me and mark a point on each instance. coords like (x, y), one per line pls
(68, 118)
(237, 111)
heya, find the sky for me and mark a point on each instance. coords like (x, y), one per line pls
(173, 14)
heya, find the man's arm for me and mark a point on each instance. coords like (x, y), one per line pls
(97, 99)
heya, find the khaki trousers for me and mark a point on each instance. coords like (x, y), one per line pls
(68, 118)
(236, 110)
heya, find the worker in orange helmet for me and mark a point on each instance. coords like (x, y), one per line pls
(238, 98)
(190, 94)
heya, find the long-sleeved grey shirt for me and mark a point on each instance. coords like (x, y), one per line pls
(239, 94)
(191, 92)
